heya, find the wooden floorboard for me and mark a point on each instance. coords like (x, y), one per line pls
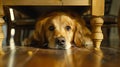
(74, 57)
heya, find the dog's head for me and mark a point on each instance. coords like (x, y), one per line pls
(61, 30)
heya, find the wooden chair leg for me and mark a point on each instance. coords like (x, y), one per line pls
(1, 24)
(8, 34)
(97, 10)
(1, 35)
(97, 34)
(17, 37)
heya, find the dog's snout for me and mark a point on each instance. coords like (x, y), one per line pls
(60, 41)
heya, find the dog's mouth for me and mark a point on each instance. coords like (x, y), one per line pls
(60, 46)
(57, 46)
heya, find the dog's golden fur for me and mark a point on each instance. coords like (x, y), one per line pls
(68, 26)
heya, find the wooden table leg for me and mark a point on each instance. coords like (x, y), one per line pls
(97, 35)
(97, 12)
(1, 24)
(1, 35)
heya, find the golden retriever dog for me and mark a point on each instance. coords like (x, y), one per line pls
(60, 30)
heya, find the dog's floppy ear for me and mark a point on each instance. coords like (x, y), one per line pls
(82, 36)
(38, 37)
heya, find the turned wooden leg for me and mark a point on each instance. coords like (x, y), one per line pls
(1, 23)
(97, 34)
(1, 34)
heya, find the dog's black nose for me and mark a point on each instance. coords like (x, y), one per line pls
(60, 41)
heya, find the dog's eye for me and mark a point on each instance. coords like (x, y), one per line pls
(51, 28)
(68, 28)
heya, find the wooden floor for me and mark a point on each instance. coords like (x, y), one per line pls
(75, 57)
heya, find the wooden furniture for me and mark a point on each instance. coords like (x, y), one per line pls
(110, 20)
(21, 23)
(97, 11)
(74, 57)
